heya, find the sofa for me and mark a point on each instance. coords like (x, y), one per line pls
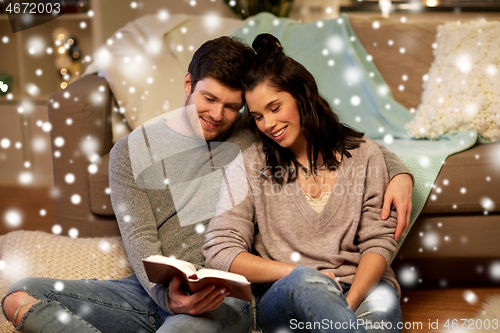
(446, 217)
(454, 238)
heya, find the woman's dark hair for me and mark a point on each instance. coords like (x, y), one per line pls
(324, 132)
(224, 59)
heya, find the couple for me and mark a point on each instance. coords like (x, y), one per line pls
(150, 224)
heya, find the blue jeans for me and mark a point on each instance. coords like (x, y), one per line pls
(308, 301)
(123, 306)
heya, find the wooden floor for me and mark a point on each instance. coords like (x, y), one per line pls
(439, 306)
(421, 307)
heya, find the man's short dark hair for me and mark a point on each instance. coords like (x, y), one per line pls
(223, 59)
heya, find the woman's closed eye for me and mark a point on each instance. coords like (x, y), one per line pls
(276, 108)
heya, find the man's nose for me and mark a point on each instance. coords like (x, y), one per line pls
(216, 112)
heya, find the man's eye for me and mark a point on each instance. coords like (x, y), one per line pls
(209, 99)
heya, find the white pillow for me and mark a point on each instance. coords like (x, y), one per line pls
(145, 62)
(462, 91)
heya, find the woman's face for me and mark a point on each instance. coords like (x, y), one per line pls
(276, 115)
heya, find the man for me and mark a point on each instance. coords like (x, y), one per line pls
(162, 211)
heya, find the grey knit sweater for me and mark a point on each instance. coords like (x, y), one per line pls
(281, 225)
(156, 176)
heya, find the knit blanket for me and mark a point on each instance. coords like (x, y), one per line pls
(35, 253)
(348, 79)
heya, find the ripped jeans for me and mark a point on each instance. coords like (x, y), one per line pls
(119, 306)
(308, 301)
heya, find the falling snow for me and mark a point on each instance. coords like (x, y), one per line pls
(487, 204)
(355, 100)
(295, 256)
(430, 240)
(13, 218)
(59, 286)
(64, 317)
(73, 233)
(92, 169)
(5, 143)
(388, 139)
(76, 199)
(69, 178)
(104, 246)
(408, 277)
(494, 271)
(59, 141)
(470, 297)
(200, 228)
(56, 229)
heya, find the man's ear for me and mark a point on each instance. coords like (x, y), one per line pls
(187, 84)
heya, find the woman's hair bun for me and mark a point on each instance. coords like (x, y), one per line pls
(266, 43)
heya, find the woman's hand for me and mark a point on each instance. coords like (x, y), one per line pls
(399, 192)
(205, 300)
(352, 304)
(259, 270)
(333, 277)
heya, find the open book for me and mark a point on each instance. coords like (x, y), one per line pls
(162, 269)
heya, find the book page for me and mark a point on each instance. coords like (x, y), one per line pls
(162, 270)
(184, 266)
(232, 277)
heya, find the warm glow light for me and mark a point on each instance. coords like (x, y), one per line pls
(64, 85)
(432, 3)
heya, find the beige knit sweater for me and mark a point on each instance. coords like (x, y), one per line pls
(281, 225)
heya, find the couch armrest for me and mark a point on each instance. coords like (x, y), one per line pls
(81, 115)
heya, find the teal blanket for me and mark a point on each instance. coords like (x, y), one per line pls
(353, 86)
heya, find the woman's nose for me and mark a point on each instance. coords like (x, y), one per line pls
(269, 122)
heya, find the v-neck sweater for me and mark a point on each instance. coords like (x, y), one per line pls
(279, 224)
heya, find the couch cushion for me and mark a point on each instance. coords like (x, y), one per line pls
(462, 92)
(468, 182)
(416, 33)
(100, 201)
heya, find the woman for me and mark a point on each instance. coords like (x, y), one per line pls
(312, 212)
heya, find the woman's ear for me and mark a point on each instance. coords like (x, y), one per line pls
(187, 84)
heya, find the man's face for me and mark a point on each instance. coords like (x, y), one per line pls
(217, 105)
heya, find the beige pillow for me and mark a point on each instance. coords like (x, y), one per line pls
(462, 89)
